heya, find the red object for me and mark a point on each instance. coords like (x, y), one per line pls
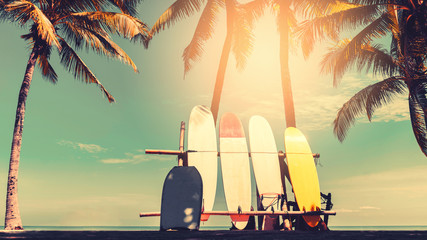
(230, 126)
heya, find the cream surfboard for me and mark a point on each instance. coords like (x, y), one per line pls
(181, 199)
(235, 168)
(265, 162)
(303, 174)
(202, 139)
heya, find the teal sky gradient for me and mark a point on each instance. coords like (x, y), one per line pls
(83, 161)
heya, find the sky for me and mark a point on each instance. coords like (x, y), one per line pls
(83, 161)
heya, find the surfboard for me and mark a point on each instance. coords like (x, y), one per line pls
(202, 138)
(303, 174)
(235, 167)
(181, 199)
(265, 163)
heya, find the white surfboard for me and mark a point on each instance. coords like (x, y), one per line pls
(235, 167)
(202, 138)
(265, 162)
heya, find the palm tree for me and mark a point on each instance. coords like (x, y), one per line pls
(62, 24)
(403, 66)
(240, 19)
(285, 17)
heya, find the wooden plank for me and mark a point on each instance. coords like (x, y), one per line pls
(254, 213)
(177, 152)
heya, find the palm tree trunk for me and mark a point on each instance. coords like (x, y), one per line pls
(288, 100)
(13, 217)
(223, 61)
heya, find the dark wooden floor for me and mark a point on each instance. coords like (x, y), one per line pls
(235, 235)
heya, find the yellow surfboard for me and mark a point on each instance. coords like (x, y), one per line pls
(303, 174)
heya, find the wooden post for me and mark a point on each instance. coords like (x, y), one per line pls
(182, 160)
(284, 173)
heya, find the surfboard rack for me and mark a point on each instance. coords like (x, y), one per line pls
(182, 161)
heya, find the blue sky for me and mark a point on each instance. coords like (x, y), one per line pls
(83, 161)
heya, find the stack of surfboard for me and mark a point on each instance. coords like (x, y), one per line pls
(187, 212)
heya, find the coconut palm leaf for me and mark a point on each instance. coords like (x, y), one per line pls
(47, 70)
(179, 10)
(203, 32)
(243, 37)
(418, 122)
(400, 3)
(367, 99)
(340, 58)
(376, 58)
(370, 57)
(97, 41)
(383, 93)
(25, 10)
(126, 6)
(255, 9)
(81, 5)
(123, 24)
(329, 26)
(75, 64)
(315, 8)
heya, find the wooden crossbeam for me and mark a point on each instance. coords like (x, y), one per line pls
(181, 153)
(253, 213)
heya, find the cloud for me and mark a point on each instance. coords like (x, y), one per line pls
(369, 208)
(115, 161)
(343, 210)
(91, 148)
(138, 158)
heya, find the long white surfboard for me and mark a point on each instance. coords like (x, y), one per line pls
(235, 167)
(265, 162)
(202, 138)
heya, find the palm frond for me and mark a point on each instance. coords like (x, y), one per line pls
(75, 64)
(81, 5)
(43, 51)
(315, 8)
(377, 59)
(367, 99)
(243, 37)
(329, 26)
(120, 23)
(402, 3)
(203, 32)
(179, 10)
(47, 70)
(97, 41)
(383, 93)
(25, 10)
(338, 60)
(418, 122)
(368, 57)
(255, 9)
(127, 6)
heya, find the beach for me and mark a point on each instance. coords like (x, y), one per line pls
(365, 235)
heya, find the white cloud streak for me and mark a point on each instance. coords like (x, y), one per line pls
(137, 158)
(91, 148)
